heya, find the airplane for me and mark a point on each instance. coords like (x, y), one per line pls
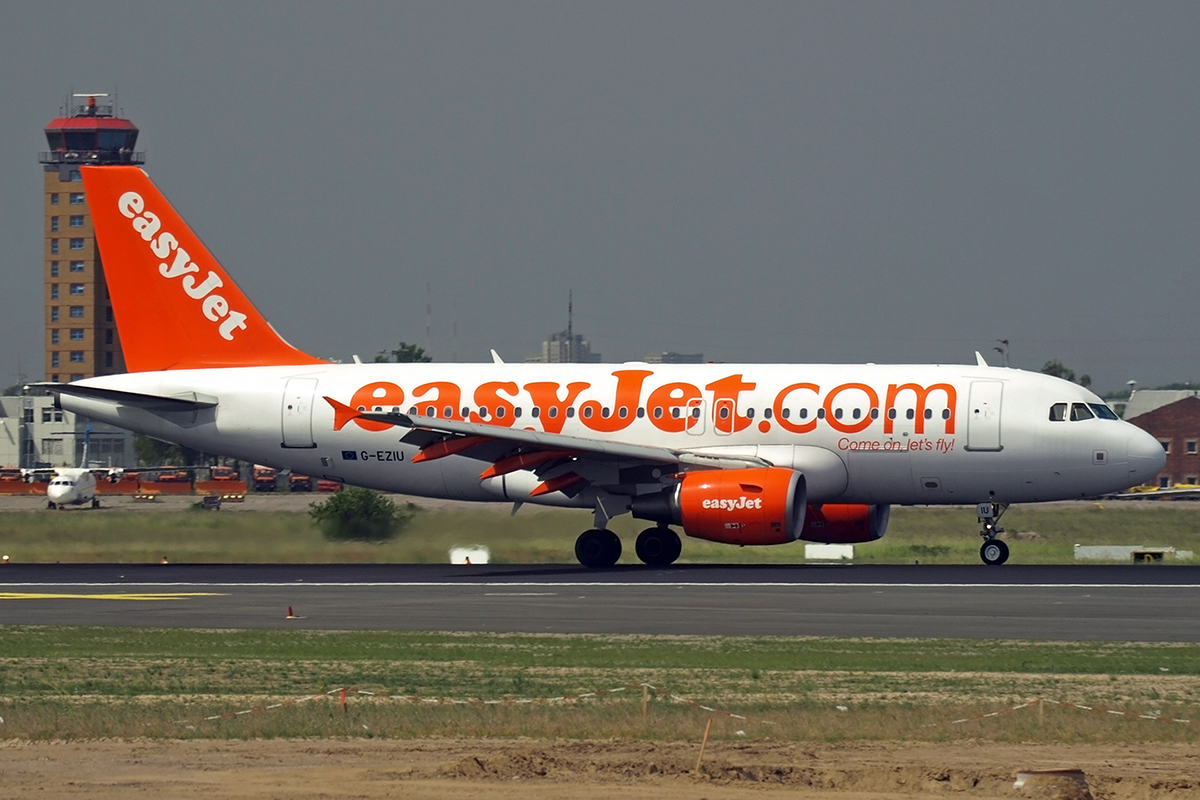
(72, 486)
(743, 454)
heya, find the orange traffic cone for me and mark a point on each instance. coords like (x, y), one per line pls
(290, 614)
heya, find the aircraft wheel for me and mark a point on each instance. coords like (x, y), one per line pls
(50, 505)
(994, 552)
(658, 547)
(95, 503)
(597, 549)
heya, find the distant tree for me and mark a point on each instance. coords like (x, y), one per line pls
(14, 390)
(404, 354)
(1059, 370)
(1178, 386)
(153, 452)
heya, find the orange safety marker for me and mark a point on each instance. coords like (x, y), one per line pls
(290, 614)
(343, 701)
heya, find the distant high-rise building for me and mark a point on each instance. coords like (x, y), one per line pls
(671, 357)
(81, 333)
(565, 348)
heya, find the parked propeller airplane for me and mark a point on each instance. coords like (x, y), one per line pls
(72, 486)
(745, 454)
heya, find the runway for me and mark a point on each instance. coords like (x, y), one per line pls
(1123, 603)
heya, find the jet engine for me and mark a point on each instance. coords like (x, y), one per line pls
(835, 523)
(739, 506)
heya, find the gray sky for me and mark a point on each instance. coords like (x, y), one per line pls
(842, 181)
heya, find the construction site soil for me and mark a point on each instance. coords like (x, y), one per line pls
(450, 769)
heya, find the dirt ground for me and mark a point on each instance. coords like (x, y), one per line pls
(454, 769)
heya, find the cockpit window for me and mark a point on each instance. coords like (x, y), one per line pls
(1058, 412)
(1103, 411)
(1080, 411)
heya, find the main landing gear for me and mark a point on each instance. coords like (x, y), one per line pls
(993, 552)
(656, 547)
(598, 548)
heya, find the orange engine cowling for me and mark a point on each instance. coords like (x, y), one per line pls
(739, 506)
(835, 523)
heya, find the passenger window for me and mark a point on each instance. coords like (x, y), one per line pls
(929, 413)
(535, 412)
(910, 413)
(749, 413)
(1058, 412)
(1080, 411)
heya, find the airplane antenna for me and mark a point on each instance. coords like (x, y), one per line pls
(454, 354)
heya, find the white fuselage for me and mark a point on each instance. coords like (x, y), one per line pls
(898, 434)
(71, 486)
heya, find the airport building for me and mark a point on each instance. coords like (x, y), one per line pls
(1172, 417)
(81, 338)
(33, 433)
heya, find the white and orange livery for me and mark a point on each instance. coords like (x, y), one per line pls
(737, 453)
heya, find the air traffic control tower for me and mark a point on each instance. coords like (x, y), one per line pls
(81, 333)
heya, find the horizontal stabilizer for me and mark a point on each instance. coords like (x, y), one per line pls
(149, 402)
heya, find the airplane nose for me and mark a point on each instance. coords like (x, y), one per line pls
(1146, 457)
(56, 493)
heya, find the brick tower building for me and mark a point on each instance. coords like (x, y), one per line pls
(81, 334)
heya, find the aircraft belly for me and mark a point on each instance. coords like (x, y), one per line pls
(880, 477)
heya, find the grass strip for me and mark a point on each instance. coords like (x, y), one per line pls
(1037, 535)
(74, 682)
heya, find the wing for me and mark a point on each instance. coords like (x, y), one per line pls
(565, 463)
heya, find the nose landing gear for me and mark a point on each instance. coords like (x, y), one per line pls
(993, 552)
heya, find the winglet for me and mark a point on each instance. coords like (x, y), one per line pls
(979, 362)
(342, 413)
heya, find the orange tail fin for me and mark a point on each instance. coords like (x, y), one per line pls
(175, 307)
